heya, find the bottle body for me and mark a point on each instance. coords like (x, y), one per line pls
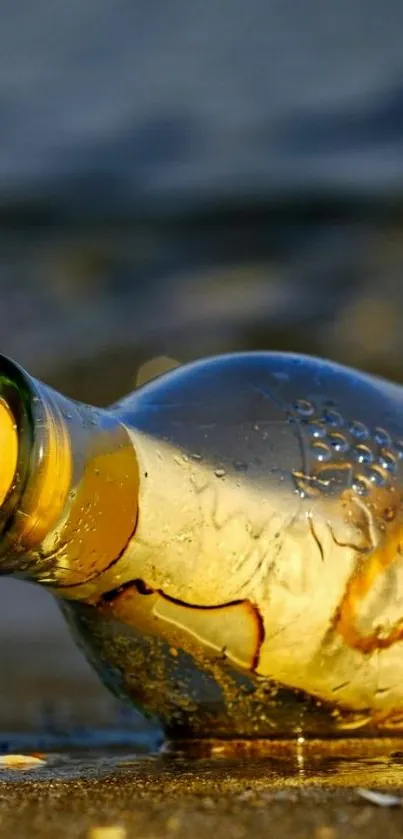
(242, 576)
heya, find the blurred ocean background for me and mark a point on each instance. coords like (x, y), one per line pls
(182, 179)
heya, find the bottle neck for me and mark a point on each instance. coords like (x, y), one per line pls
(69, 485)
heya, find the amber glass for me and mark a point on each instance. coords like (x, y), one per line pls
(72, 506)
(226, 542)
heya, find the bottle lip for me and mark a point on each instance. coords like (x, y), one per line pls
(8, 450)
(22, 395)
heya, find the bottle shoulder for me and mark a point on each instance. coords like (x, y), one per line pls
(242, 387)
(278, 423)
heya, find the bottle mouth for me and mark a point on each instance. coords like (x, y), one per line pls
(15, 401)
(35, 462)
(8, 451)
(70, 490)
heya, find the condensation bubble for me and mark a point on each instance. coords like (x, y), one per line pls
(382, 437)
(315, 429)
(321, 451)
(362, 454)
(219, 473)
(377, 475)
(333, 418)
(387, 460)
(360, 485)
(304, 408)
(359, 430)
(338, 442)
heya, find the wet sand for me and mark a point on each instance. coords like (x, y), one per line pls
(161, 797)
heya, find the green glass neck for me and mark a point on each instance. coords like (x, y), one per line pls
(72, 506)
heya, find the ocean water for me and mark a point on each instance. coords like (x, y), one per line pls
(117, 107)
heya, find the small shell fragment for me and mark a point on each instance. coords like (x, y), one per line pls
(21, 762)
(382, 799)
(111, 832)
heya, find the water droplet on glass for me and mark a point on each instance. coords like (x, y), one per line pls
(377, 475)
(362, 454)
(387, 460)
(382, 437)
(304, 408)
(332, 417)
(360, 485)
(359, 430)
(321, 451)
(315, 429)
(338, 441)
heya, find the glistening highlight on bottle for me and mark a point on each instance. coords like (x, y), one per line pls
(226, 543)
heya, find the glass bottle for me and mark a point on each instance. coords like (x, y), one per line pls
(225, 543)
